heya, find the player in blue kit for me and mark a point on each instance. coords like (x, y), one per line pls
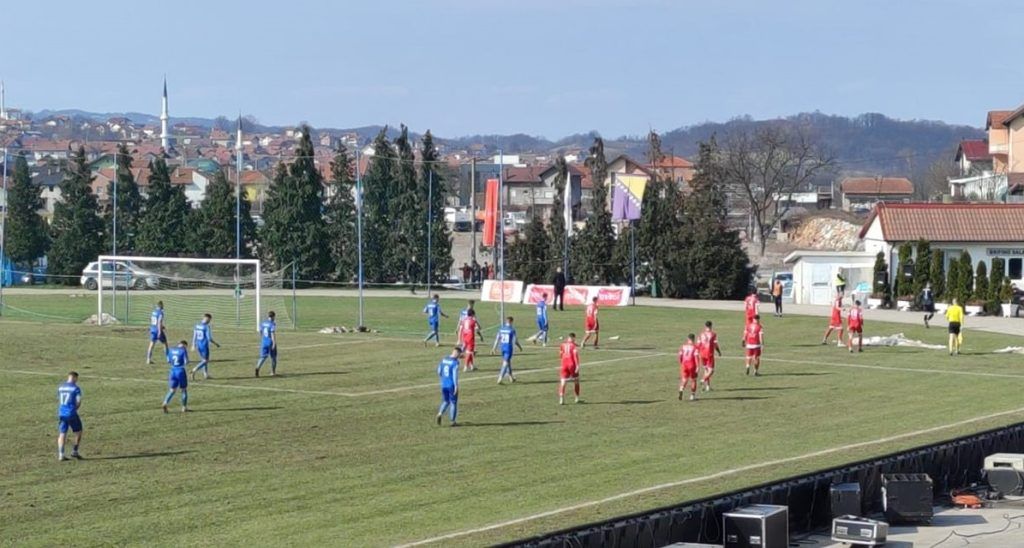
(69, 400)
(202, 337)
(448, 373)
(268, 344)
(507, 338)
(542, 321)
(177, 378)
(434, 315)
(157, 331)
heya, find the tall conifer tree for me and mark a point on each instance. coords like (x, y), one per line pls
(163, 224)
(27, 237)
(77, 230)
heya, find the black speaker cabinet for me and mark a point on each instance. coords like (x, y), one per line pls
(845, 498)
(907, 497)
(859, 531)
(757, 526)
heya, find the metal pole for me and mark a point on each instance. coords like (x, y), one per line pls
(430, 220)
(295, 317)
(472, 206)
(632, 260)
(565, 232)
(113, 251)
(238, 223)
(501, 233)
(3, 237)
(359, 233)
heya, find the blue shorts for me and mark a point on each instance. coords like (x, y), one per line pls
(543, 326)
(434, 326)
(178, 378)
(506, 355)
(203, 351)
(268, 350)
(72, 422)
(448, 394)
(157, 336)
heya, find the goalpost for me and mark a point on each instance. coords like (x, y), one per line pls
(233, 290)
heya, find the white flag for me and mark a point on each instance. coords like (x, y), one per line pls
(568, 202)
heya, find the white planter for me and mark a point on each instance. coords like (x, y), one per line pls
(1010, 310)
(940, 308)
(903, 305)
(874, 303)
(974, 310)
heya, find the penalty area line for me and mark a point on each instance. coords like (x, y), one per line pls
(889, 368)
(716, 475)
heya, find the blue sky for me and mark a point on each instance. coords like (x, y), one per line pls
(547, 68)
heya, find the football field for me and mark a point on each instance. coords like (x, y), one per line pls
(341, 449)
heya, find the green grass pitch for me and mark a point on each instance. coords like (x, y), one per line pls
(342, 448)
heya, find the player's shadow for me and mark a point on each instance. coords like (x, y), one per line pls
(554, 381)
(736, 398)
(315, 373)
(234, 409)
(513, 423)
(623, 402)
(798, 374)
(757, 388)
(142, 455)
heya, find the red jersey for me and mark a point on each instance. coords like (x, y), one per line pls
(467, 328)
(707, 343)
(570, 354)
(750, 305)
(837, 315)
(856, 318)
(688, 355)
(753, 334)
(591, 312)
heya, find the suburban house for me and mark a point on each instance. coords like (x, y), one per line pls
(986, 231)
(254, 187)
(814, 272)
(862, 193)
(677, 169)
(1003, 180)
(580, 188)
(193, 182)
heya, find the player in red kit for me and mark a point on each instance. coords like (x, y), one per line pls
(688, 367)
(592, 327)
(855, 322)
(835, 323)
(753, 340)
(707, 344)
(469, 328)
(750, 305)
(570, 355)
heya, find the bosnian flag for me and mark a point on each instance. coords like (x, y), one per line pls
(627, 195)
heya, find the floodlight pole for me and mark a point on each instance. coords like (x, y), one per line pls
(238, 222)
(359, 233)
(3, 236)
(501, 233)
(430, 219)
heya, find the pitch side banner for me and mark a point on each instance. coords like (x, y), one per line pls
(579, 294)
(493, 289)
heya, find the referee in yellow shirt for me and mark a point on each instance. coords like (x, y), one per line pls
(955, 317)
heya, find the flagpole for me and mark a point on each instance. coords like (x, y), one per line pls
(501, 232)
(567, 217)
(430, 219)
(359, 233)
(238, 223)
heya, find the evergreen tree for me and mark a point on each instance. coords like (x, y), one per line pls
(657, 237)
(129, 204)
(556, 225)
(409, 214)
(953, 282)
(966, 279)
(294, 229)
(592, 247)
(528, 256)
(341, 217)
(164, 222)
(923, 264)
(937, 274)
(622, 264)
(901, 286)
(378, 186)
(433, 193)
(881, 288)
(77, 230)
(981, 289)
(996, 276)
(27, 237)
(212, 228)
(712, 255)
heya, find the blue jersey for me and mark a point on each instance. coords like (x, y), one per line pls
(507, 338)
(267, 330)
(542, 314)
(156, 320)
(177, 357)
(433, 312)
(448, 372)
(68, 395)
(201, 334)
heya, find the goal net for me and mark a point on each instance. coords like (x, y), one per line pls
(237, 293)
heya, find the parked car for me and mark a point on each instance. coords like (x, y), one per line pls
(119, 274)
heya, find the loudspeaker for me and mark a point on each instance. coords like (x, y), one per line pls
(859, 531)
(907, 497)
(1007, 481)
(757, 526)
(845, 498)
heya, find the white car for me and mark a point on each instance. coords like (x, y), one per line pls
(120, 274)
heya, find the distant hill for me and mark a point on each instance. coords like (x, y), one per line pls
(867, 144)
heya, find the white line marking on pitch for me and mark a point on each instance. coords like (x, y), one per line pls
(716, 475)
(889, 368)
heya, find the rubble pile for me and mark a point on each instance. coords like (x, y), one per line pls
(826, 233)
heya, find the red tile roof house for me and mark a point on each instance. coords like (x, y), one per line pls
(986, 231)
(861, 193)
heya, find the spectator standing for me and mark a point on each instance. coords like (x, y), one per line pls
(559, 283)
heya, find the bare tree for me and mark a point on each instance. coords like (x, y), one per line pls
(764, 168)
(934, 182)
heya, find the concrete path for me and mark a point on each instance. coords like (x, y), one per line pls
(999, 527)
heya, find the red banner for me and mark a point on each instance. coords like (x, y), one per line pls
(535, 294)
(490, 212)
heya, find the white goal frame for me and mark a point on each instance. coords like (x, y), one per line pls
(193, 260)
